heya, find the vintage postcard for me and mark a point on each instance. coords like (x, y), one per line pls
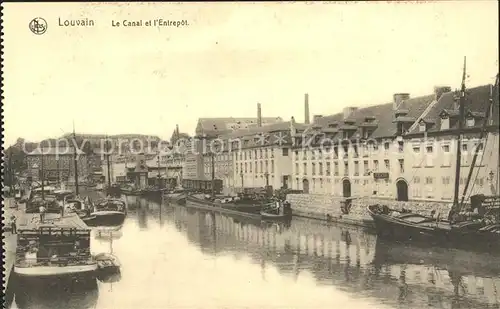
(251, 155)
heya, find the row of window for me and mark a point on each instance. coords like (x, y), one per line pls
(259, 167)
(317, 169)
(258, 154)
(447, 180)
(368, 149)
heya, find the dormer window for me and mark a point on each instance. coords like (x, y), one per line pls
(369, 119)
(470, 121)
(445, 120)
(401, 112)
(445, 123)
(422, 126)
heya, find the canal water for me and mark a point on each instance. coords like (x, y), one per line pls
(174, 257)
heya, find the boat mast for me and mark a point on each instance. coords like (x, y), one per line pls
(76, 161)
(213, 173)
(42, 175)
(461, 112)
(480, 145)
(159, 186)
(107, 163)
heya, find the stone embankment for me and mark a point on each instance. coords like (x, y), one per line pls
(329, 207)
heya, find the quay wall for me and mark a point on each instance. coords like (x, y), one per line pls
(328, 207)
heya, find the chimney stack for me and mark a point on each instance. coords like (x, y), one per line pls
(347, 111)
(293, 131)
(259, 115)
(306, 109)
(398, 99)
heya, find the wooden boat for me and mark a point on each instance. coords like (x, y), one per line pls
(177, 196)
(57, 247)
(406, 226)
(235, 203)
(275, 214)
(48, 201)
(107, 262)
(153, 192)
(113, 190)
(62, 195)
(199, 203)
(470, 234)
(274, 217)
(129, 190)
(110, 211)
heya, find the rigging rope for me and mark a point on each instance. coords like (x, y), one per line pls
(479, 166)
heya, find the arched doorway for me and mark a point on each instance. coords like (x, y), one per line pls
(402, 190)
(305, 186)
(346, 187)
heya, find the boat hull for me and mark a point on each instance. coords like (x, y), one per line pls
(133, 193)
(193, 202)
(105, 218)
(275, 217)
(392, 229)
(444, 234)
(56, 292)
(153, 193)
(176, 198)
(55, 271)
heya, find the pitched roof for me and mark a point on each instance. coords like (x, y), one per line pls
(476, 102)
(54, 151)
(218, 126)
(266, 128)
(383, 115)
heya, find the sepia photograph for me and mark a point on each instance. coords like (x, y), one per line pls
(257, 155)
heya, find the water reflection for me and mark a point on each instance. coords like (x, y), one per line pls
(173, 257)
(55, 294)
(355, 262)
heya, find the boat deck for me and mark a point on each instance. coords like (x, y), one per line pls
(32, 221)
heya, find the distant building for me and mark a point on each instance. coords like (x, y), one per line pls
(198, 162)
(58, 163)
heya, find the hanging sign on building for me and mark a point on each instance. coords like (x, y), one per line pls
(380, 175)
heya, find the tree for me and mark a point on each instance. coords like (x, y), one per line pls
(15, 162)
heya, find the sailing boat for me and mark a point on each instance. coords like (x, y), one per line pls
(112, 190)
(110, 211)
(481, 231)
(155, 191)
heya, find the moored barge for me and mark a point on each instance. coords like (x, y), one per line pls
(55, 247)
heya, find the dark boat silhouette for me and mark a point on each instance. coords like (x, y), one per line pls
(56, 294)
(463, 262)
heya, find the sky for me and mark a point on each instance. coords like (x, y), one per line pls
(231, 56)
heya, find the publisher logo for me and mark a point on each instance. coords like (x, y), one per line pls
(38, 25)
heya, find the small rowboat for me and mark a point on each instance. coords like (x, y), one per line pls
(270, 216)
(271, 213)
(108, 262)
(108, 267)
